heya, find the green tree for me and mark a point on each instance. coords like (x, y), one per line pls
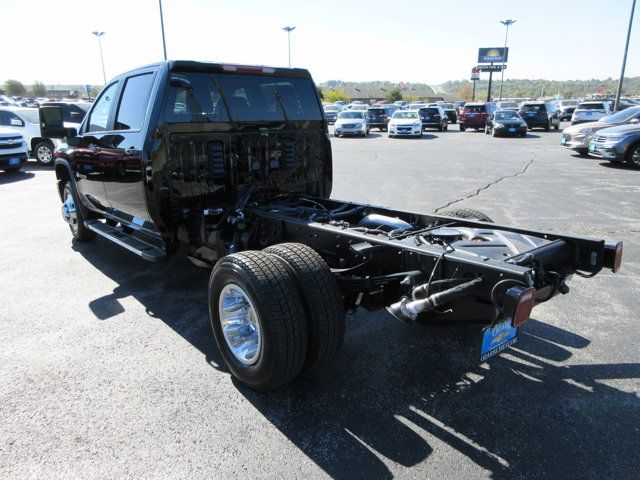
(465, 91)
(335, 95)
(393, 95)
(38, 89)
(320, 93)
(14, 88)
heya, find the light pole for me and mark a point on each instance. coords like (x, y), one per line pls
(289, 30)
(100, 34)
(624, 60)
(506, 23)
(164, 44)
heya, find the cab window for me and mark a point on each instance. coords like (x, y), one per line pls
(134, 101)
(99, 115)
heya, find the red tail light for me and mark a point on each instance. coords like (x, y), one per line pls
(518, 303)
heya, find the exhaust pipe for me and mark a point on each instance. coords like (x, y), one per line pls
(407, 310)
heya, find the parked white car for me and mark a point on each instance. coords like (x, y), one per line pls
(13, 150)
(27, 121)
(405, 122)
(591, 111)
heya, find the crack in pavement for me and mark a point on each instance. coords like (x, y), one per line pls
(490, 184)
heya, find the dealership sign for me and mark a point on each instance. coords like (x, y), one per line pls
(492, 68)
(493, 55)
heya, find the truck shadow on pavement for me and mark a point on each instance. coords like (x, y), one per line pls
(401, 396)
(12, 177)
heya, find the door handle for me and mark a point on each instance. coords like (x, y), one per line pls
(131, 151)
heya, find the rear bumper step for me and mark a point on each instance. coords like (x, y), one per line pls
(133, 244)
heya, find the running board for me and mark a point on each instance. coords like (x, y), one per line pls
(133, 244)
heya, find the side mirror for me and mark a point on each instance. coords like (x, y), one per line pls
(51, 123)
(634, 121)
(16, 122)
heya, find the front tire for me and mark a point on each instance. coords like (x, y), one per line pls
(257, 318)
(632, 159)
(72, 214)
(43, 152)
(462, 127)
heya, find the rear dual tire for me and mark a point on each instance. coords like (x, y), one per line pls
(297, 307)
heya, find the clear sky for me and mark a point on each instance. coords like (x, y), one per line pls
(411, 41)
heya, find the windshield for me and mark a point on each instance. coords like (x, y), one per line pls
(205, 97)
(376, 111)
(508, 105)
(358, 107)
(351, 114)
(568, 103)
(508, 115)
(591, 106)
(447, 106)
(621, 117)
(405, 114)
(474, 108)
(332, 108)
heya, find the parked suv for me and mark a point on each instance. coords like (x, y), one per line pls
(540, 114)
(13, 150)
(475, 115)
(433, 117)
(27, 122)
(618, 144)
(331, 112)
(567, 107)
(578, 137)
(591, 111)
(450, 111)
(379, 116)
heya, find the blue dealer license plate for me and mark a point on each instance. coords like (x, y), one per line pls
(498, 338)
(512, 130)
(14, 161)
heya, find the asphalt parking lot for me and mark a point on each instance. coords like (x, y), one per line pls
(108, 367)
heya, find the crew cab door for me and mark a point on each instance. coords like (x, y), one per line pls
(122, 149)
(85, 156)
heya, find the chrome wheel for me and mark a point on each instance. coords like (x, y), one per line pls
(240, 324)
(68, 210)
(44, 154)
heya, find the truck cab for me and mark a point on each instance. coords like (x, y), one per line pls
(175, 137)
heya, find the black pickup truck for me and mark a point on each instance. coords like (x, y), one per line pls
(234, 162)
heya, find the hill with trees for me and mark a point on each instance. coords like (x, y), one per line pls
(462, 89)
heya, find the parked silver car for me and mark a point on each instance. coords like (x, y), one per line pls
(577, 137)
(352, 122)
